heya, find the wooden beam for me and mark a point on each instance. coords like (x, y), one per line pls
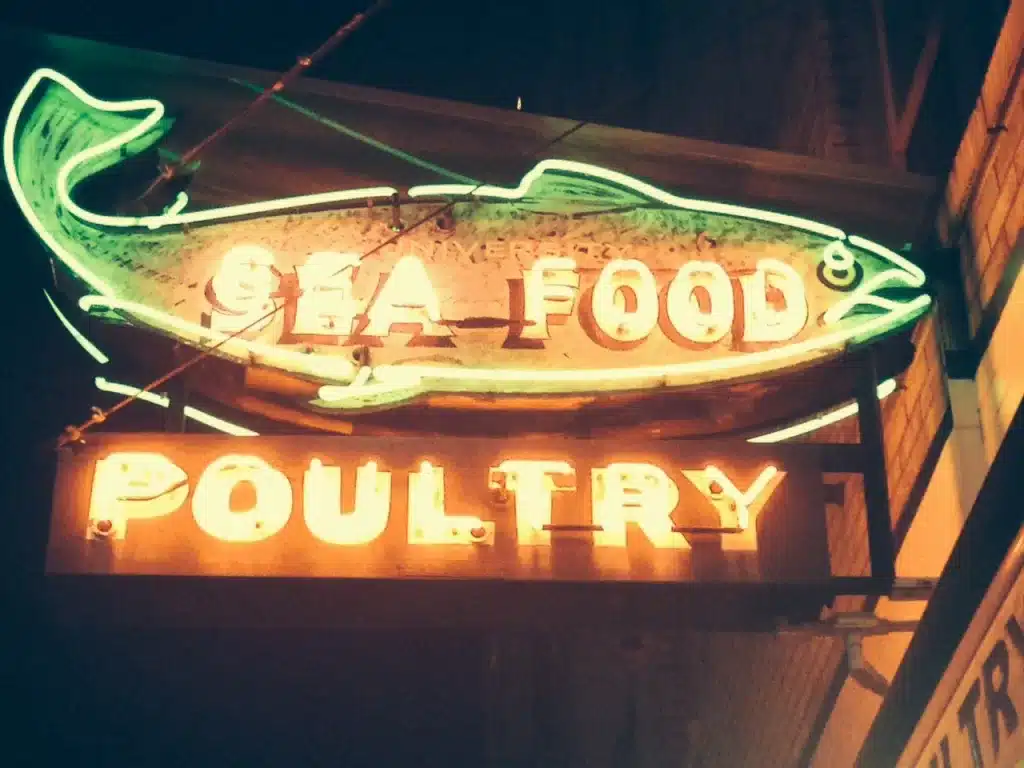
(881, 545)
(891, 122)
(172, 602)
(287, 153)
(915, 96)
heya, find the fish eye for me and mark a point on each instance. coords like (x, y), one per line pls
(840, 279)
(839, 269)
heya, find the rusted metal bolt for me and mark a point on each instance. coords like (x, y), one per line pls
(361, 355)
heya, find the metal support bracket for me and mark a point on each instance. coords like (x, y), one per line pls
(862, 624)
(881, 543)
(853, 628)
(862, 670)
(175, 420)
(909, 590)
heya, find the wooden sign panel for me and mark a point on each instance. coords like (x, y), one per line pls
(449, 509)
(578, 284)
(981, 724)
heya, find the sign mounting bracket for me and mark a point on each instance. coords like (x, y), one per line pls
(881, 544)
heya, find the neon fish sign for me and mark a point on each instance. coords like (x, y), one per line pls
(578, 281)
(386, 507)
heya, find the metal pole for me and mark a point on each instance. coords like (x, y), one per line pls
(889, 101)
(177, 392)
(915, 96)
(876, 484)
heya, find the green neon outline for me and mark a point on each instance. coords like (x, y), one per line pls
(908, 272)
(330, 367)
(828, 418)
(396, 383)
(416, 380)
(94, 352)
(218, 423)
(172, 218)
(808, 426)
(616, 177)
(116, 388)
(215, 422)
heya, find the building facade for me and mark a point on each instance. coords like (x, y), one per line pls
(923, 720)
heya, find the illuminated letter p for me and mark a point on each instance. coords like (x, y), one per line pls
(133, 485)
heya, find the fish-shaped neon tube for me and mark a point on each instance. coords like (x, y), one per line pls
(579, 280)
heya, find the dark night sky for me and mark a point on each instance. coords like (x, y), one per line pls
(486, 52)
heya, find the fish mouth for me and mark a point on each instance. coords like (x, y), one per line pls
(891, 299)
(898, 291)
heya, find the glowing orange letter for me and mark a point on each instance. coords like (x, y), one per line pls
(322, 504)
(211, 504)
(428, 523)
(637, 493)
(533, 483)
(129, 486)
(737, 510)
(407, 298)
(763, 322)
(549, 288)
(684, 312)
(609, 302)
(325, 304)
(242, 289)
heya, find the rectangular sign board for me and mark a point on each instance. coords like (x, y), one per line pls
(981, 724)
(438, 509)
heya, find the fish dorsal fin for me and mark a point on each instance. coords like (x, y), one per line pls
(568, 187)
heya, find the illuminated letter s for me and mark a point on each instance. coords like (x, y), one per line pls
(242, 290)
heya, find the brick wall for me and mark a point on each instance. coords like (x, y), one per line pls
(912, 417)
(982, 215)
(731, 699)
(833, 107)
(780, 682)
(984, 207)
